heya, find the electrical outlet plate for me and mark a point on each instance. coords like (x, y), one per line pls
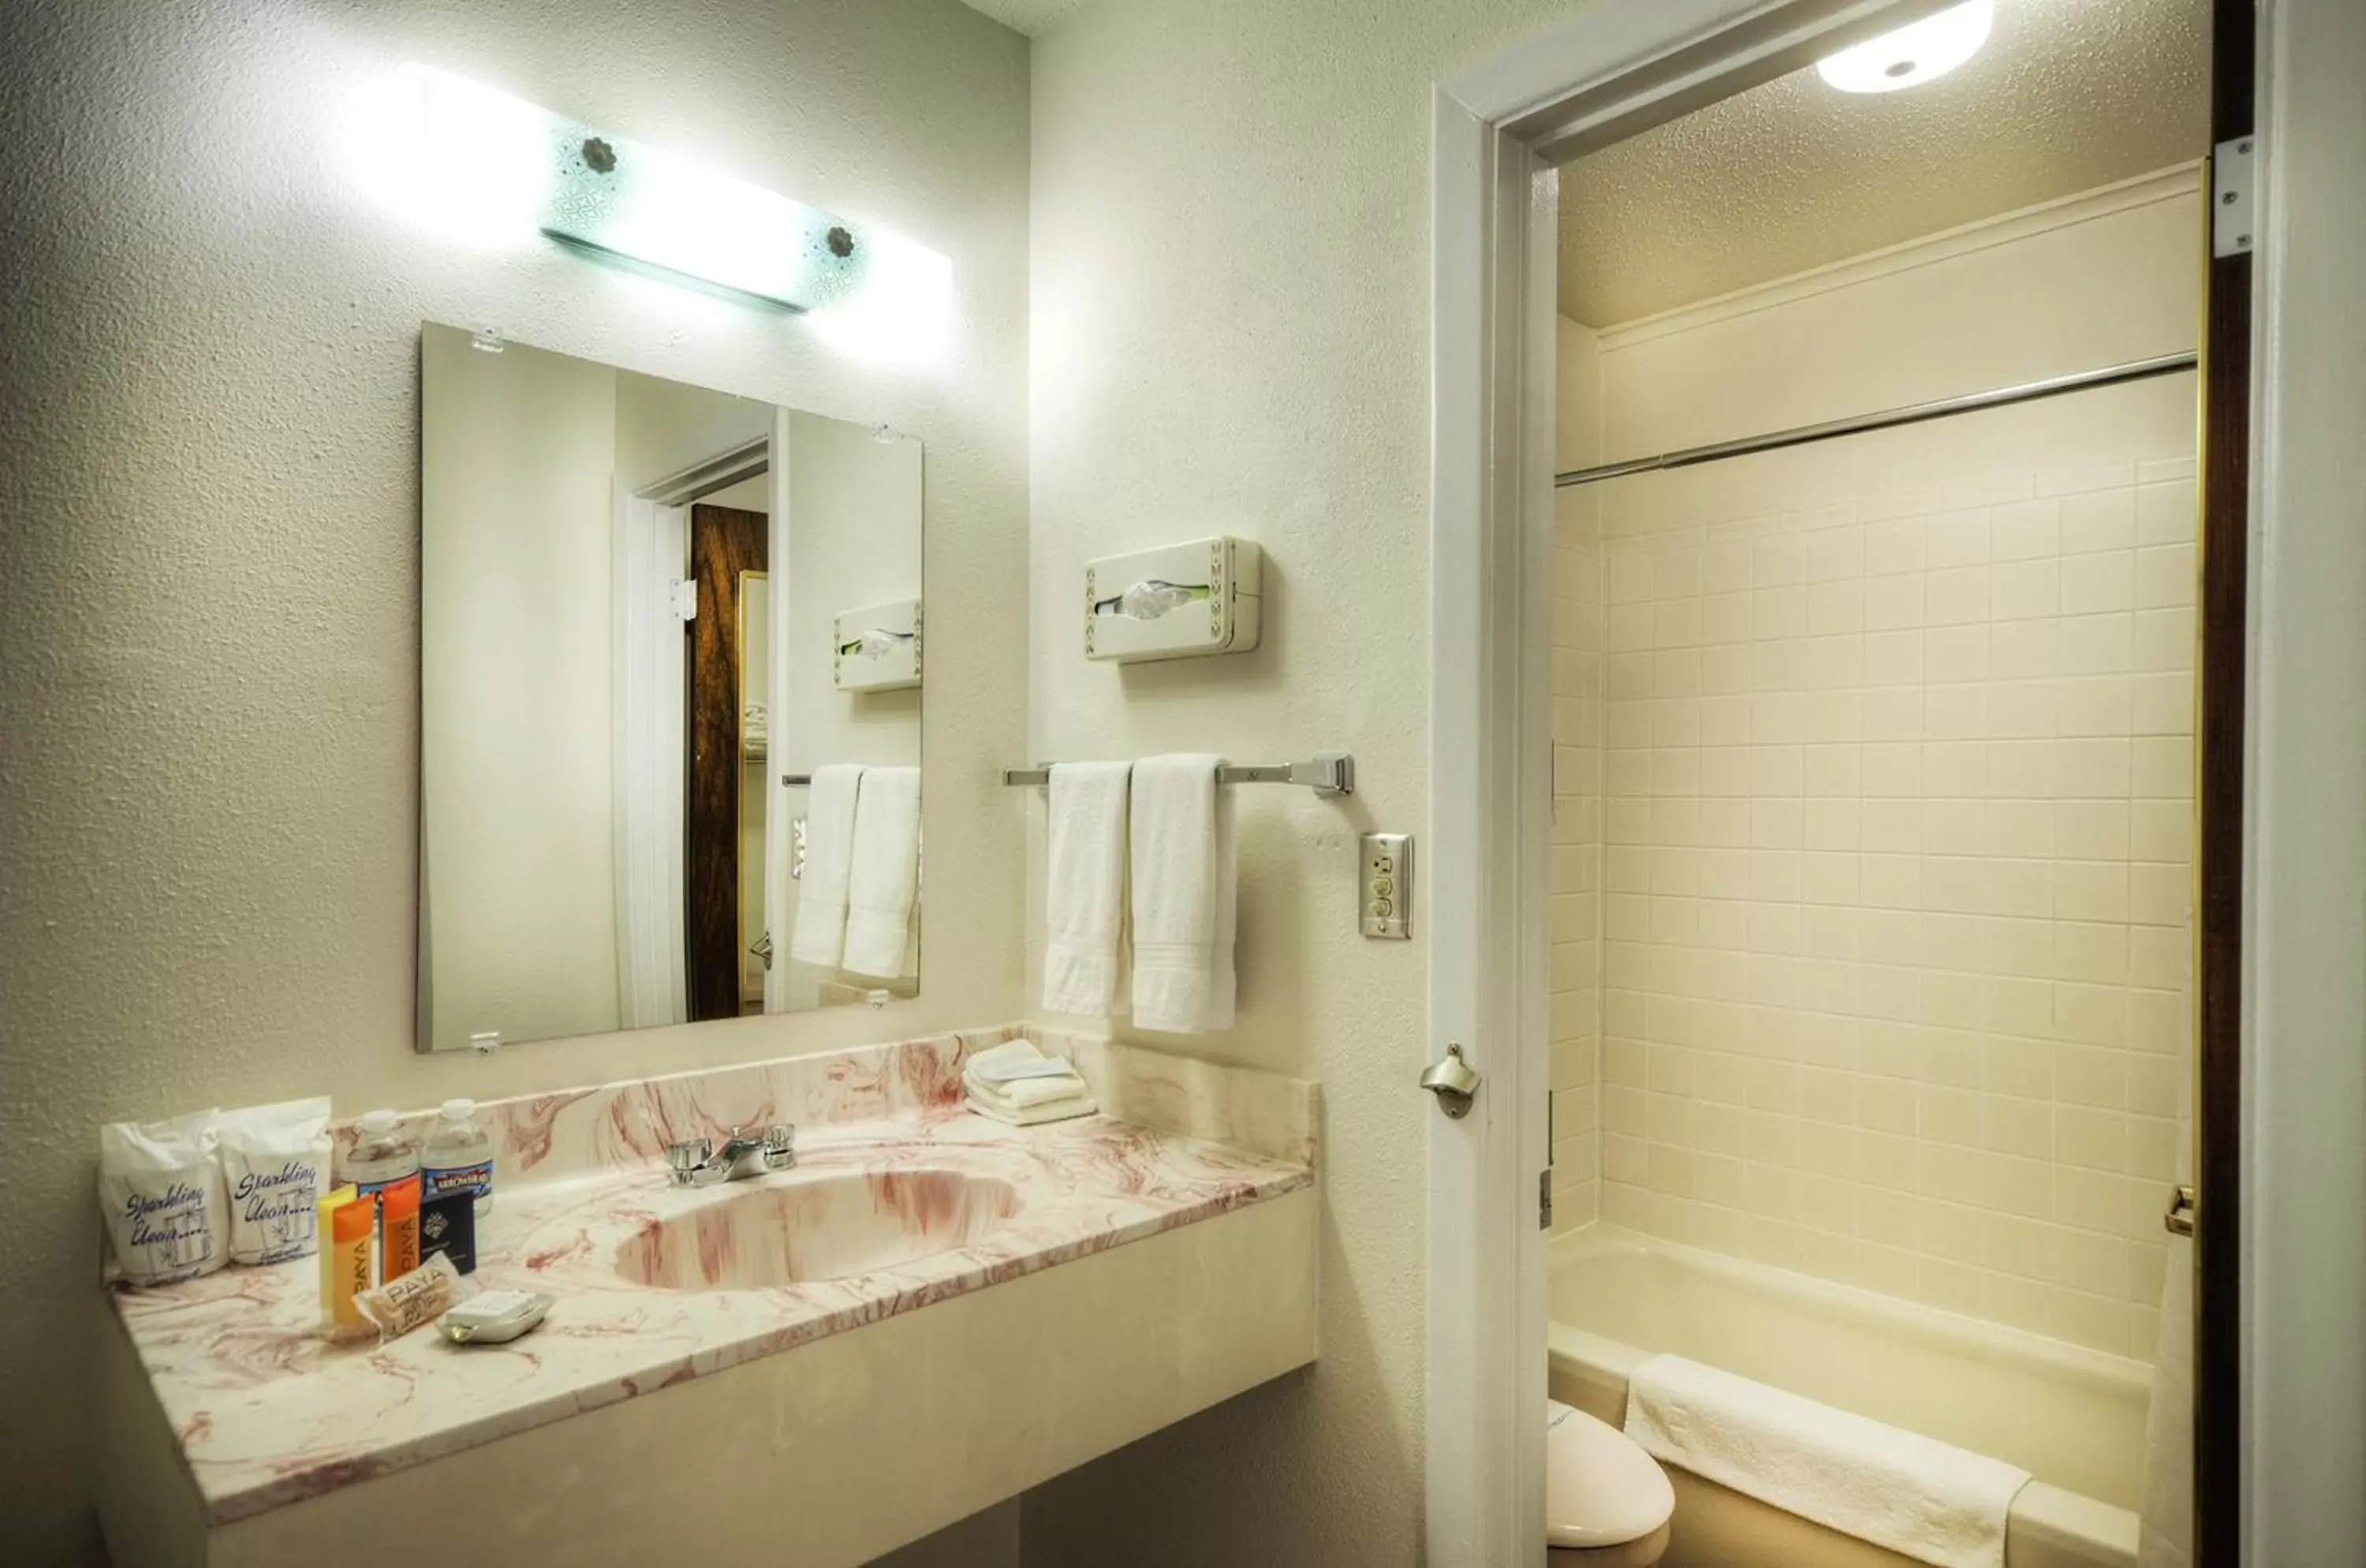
(1178, 602)
(1384, 886)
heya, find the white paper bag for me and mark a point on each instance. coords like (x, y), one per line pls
(160, 1187)
(275, 1163)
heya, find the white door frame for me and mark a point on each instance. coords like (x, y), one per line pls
(651, 546)
(1619, 68)
(780, 810)
(2304, 1142)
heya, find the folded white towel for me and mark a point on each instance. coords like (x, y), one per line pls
(819, 934)
(1011, 1072)
(1183, 892)
(1918, 1497)
(885, 877)
(1084, 905)
(1036, 1115)
(1015, 1082)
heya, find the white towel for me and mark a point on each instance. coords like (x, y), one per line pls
(1918, 1497)
(1016, 1083)
(1084, 905)
(819, 934)
(1183, 892)
(884, 876)
(1036, 1115)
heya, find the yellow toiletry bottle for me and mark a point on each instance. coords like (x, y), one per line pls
(344, 1225)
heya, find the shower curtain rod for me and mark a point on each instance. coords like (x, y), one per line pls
(1911, 413)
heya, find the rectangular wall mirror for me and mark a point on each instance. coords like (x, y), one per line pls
(670, 675)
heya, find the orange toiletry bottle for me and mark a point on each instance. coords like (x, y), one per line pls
(398, 1228)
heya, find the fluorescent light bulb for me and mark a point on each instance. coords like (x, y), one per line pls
(484, 165)
(1919, 53)
(665, 211)
(463, 161)
(899, 313)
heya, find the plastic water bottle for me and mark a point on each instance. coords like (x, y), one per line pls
(380, 1159)
(380, 1156)
(458, 1153)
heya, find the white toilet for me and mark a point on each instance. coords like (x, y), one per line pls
(1606, 1502)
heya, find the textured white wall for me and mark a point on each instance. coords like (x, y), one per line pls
(663, 426)
(1231, 334)
(209, 720)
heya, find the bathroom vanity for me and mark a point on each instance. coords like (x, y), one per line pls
(929, 1314)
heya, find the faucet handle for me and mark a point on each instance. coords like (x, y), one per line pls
(685, 1158)
(779, 1146)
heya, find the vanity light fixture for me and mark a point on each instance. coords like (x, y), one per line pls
(494, 166)
(1919, 53)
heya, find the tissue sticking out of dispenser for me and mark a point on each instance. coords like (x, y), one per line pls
(1177, 602)
(877, 648)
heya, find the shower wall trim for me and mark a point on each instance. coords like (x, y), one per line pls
(2177, 183)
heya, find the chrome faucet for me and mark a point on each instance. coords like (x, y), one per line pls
(696, 1162)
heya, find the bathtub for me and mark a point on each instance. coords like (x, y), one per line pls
(2073, 1418)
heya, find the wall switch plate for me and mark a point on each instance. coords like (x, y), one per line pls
(1384, 885)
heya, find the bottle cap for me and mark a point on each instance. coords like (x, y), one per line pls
(460, 1109)
(380, 1121)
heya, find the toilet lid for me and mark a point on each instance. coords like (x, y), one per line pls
(1601, 1488)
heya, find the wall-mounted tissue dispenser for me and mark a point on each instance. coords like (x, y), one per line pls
(877, 650)
(1175, 602)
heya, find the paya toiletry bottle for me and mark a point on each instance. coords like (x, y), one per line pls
(397, 1204)
(344, 1229)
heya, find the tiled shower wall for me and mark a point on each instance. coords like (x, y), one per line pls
(1873, 768)
(1897, 816)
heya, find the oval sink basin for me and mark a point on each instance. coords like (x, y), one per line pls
(796, 1233)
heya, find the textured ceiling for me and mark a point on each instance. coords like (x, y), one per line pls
(2068, 95)
(1033, 17)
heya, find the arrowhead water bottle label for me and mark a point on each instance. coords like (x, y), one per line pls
(475, 1179)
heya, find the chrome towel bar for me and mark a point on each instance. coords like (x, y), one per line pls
(1329, 773)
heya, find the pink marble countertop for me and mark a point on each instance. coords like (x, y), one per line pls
(267, 1414)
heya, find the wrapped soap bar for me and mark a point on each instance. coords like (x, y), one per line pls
(494, 1318)
(421, 1296)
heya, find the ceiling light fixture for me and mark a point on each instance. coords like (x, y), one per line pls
(1919, 53)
